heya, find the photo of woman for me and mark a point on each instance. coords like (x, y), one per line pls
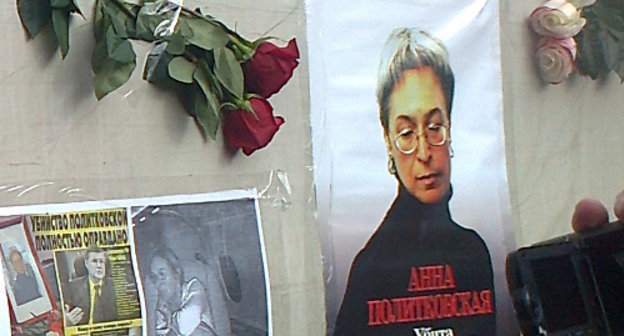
(420, 270)
(183, 307)
(414, 215)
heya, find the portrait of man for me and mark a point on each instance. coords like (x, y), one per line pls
(90, 298)
(27, 288)
(24, 284)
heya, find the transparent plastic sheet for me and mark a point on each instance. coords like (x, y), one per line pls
(322, 149)
(64, 146)
(170, 13)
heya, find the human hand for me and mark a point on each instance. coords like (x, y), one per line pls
(590, 213)
(73, 317)
(163, 318)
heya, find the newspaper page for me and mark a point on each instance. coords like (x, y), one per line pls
(89, 264)
(175, 265)
(94, 270)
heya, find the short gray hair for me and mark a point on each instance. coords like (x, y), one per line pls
(407, 49)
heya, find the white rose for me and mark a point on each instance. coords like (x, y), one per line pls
(582, 3)
(556, 18)
(555, 58)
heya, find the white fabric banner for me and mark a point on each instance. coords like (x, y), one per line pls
(355, 189)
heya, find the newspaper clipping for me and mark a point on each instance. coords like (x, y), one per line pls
(97, 285)
(174, 265)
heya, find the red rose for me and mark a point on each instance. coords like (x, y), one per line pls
(270, 68)
(243, 129)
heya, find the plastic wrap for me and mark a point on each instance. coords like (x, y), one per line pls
(60, 144)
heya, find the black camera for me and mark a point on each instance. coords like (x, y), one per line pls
(571, 285)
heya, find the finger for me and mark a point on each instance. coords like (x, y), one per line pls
(619, 206)
(588, 214)
(76, 312)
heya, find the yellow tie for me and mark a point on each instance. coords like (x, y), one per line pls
(95, 293)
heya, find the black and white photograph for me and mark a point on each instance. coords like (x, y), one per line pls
(26, 288)
(202, 268)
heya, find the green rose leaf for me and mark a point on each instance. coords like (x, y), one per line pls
(101, 20)
(204, 34)
(118, 48)
(109, 74)
(207, 81)
(195, 102)
(229, 72)
(600, 43)
(148, 20)
(156, 66)
(183, 28)
(203, 78)
(610, 50)
(176, 44)
(60, 22)
(34, 15)
(590, 60)
(59, 3)
(112, 75)
(205, 114)
(608, 15)
(181, 69)
(122, 19)
(73, 7)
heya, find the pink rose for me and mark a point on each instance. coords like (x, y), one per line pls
(270, 68)
(555, 58)
(556, 18)
(243, 129)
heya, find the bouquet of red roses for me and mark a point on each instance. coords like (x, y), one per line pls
(220, 77)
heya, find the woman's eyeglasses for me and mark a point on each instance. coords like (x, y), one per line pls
(407, 140)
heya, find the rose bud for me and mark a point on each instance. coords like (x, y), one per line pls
(555, 58)
(270, 68)
(557, 19)
(251, 131)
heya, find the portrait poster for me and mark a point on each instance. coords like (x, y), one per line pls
(359, 169)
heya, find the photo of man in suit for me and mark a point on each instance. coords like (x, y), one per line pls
(24, 283)
(90, 298)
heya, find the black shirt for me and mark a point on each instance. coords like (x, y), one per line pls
(419, 273)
